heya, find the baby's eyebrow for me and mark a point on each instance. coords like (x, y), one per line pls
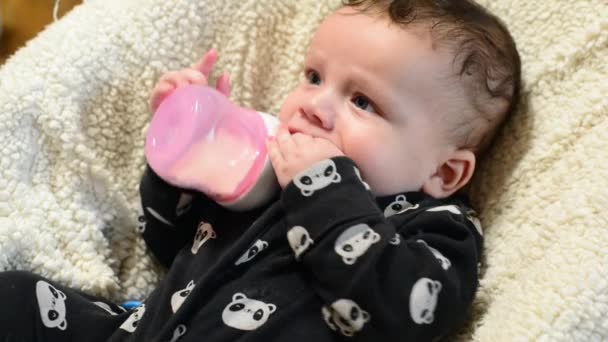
(369, 88)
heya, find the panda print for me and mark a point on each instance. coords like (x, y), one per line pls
(159, 217)
(257, 247)
(107, 308)
(450, 208)
(471, 215)
(423, 300)
(358, 173)
(354, 242)
(299, 240)
(203, 234)
(178, 298)
(398, 206)
(51, 303)
(178, 333)
(395, 240)
(130, 324)
(245, 313)
(183, 204)
(445, 262)
(346, 316)
(317, 177)
(141, 220)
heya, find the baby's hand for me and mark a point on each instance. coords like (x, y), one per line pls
(197, 74)
(292, 154)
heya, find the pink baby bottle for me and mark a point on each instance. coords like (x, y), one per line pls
(199, 140)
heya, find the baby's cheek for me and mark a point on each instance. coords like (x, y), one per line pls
(375, 165)
(386, 170)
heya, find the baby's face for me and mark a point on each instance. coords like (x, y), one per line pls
(377, 91)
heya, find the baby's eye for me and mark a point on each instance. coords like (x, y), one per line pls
(313, 77)
(364, 103)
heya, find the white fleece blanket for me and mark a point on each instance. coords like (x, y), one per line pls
(73, 116)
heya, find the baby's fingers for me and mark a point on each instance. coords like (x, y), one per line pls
(183, 77)
(205, 65)
(191, 76)
(285, 142)
(159, 93)
(223, 84)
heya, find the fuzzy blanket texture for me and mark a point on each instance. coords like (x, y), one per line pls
(73, 114)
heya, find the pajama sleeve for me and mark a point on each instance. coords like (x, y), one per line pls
(168, 220)
(409, 277)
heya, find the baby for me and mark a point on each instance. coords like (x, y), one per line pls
(370, 239)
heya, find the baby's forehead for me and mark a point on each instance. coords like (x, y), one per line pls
(401, 60)
(399, 39)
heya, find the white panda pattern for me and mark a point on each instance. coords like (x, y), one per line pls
(179, 331)
(203, 234)
(183, 204)
(346, 316)
(358, 173)
(395, 240)
(51, 303)
(354, 242)
(445, 262)
(423, 300)
(451, 208)
(107, 308)
(471, 215)
(398, 206)
(141, 220)
(317, 177)
(255, 249)
(299, 239)
(178, 298)
(245, 313)
(130, 324)
(159, 217)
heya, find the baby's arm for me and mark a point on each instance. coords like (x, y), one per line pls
(165, 213)
(408, 278)
(168, 222)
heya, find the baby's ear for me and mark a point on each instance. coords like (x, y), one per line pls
(453, 174)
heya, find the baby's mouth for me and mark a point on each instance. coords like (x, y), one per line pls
(293, 131)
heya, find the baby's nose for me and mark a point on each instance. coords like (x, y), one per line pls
(321, 109)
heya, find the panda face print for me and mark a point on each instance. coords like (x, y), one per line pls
(51, 303)
(246, 314)
(107, 308)
(423, 300)
(445, 262)
(395, 240)
(450, 208)
(355, 241)
(183, 204)
(398, 206)
(159, 217)
(471, 215)
(141, 220)
(346, 316)
(317, 177)
(178, 333)
(257, 247)
(204, 233)
(130, 324)
(358, 173)
(299, 240)
(178, 298)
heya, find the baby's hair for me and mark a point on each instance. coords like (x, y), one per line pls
(485, 58)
